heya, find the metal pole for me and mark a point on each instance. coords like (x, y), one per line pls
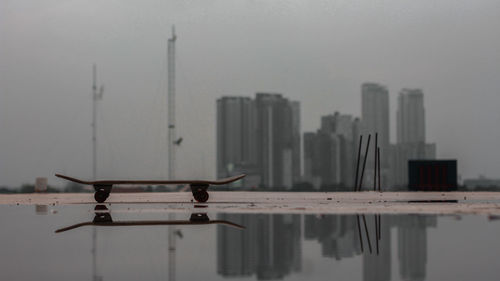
(378, 159)
(171, 104)
(94, 131)
(364, 164)
(171, 148)
(375, 164)
(357, 165)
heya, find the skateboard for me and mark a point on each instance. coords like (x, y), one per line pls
(198, 187)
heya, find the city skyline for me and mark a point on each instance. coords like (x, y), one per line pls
(316, 53)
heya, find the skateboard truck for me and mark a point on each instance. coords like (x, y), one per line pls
(199, 191)
(102, 192)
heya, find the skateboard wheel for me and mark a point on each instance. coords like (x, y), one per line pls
(100, 196)
(201, 196)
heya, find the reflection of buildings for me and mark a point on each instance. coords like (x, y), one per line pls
(236, 253)
(412, 245)
(378, 267)
(337, 234)
(270, 247)
(260, 137)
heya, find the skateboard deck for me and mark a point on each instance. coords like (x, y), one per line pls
(198, 187)
(154, 182)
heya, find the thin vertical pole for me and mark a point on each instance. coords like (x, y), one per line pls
(94, 130)
(171, 104)
(378, 159)
(364, 164)
(357, 165)
(375, 164)
(171, 148)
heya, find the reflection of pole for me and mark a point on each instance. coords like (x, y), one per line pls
(171, 250)
(171, 146)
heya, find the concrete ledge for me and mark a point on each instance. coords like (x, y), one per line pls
(288, 202)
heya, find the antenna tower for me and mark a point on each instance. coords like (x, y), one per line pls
(171, 146)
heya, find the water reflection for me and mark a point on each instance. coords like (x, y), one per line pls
(103, 217)
(271, 247)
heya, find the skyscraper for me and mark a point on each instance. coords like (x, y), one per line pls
(277, 128)
(259, 137)
(236, 147)
(329, 153)
(375, 112)
(410, 116)
(411, 143)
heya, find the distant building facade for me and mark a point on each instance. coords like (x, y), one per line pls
(375, 112)
(329, 153)
(411, 143)
(375, 120)
(236, 142)
(410, 116)
(260, 137)
(482, 183)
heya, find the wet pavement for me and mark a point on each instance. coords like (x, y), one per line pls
(175, 241)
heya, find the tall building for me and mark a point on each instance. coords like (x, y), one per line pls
(411, 143)
(261, 138)
(329, 153)
(375, 112)
(278, 140)
(410, 116)
(236, 142)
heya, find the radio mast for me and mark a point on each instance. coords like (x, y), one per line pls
(96, 96)
(171, 105)
(171, 146)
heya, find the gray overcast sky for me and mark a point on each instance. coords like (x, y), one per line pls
(316, 52)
